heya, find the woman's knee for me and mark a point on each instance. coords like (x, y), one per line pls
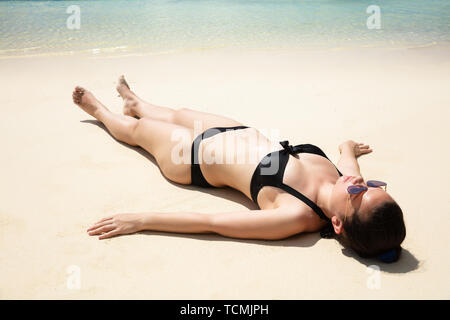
(179, 116)
(136, 128)
(191, 119)
(201, 121)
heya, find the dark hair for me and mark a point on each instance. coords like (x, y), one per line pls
(380, 235)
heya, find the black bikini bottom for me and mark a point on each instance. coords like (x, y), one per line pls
(197, 177)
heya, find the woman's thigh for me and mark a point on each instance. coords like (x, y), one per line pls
(201, 121)
(170, 144)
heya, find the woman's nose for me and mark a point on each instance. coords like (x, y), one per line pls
(358, 180)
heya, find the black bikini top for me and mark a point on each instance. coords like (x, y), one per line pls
(270, 172)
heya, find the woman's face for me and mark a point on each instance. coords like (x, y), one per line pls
(345, 204)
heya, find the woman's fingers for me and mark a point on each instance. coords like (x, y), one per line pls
(364, 151)
(362, 145)
(105, 219)
(99, 224)
(105, 230)
(361, 148)
(364, 148)
(108, 234)
(100, 230)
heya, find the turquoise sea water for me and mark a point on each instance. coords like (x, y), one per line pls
(39, 27)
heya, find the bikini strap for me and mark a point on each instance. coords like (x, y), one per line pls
(306, 200)
(281, 157)
(304, 148)
(308, 148)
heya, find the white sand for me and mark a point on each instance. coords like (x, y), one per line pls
(60, 174)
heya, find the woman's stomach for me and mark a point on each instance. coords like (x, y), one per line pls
(230, 158)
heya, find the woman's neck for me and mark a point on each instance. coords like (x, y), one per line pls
(324, 198)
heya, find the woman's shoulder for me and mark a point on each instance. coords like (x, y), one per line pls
(304, 213)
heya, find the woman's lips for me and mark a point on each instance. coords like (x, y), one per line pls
(347, 178)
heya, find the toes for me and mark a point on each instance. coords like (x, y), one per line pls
(78, 94)
(76, 100)
(79, 91)
(123, 88)
(122, 83)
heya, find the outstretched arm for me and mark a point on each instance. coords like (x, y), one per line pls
(273, 224)
(256, 224)
(350, 151)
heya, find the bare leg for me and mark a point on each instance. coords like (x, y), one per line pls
(153, 135)
(120, 126)
(136, 107)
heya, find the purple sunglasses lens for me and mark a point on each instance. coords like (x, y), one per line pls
(374, 183)
(356, 189)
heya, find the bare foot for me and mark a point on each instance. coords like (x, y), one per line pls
(129, 98)
(86, 101)
(123, 82)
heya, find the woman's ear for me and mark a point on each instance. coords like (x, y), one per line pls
(338, 225)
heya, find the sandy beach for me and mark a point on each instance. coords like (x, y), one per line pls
(61, 172)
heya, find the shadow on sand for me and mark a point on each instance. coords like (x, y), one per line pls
(406, 263)
(224, 193)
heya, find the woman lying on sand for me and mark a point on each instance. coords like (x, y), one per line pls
(295, 194)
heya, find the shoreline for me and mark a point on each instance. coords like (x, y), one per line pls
(123, 51)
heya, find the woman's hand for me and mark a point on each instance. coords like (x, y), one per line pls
(124, 223)
(357, 149)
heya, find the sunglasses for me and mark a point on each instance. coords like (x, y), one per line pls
(355, 189)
